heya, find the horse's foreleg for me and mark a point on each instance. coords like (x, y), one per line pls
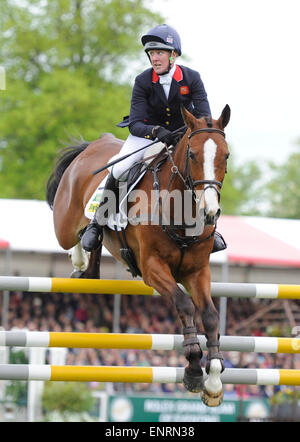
(158, 275)
(199, 286)
(193, 374)
(212, 394)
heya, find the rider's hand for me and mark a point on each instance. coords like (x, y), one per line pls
(163, 135)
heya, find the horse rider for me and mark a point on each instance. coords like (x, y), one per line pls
(157, 96)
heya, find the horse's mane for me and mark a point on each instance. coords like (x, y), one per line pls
(63, 160)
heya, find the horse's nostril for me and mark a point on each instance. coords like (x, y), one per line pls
(210, 219)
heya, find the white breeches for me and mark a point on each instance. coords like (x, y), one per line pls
(120, 170)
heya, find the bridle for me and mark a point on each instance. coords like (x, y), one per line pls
(211, 184)
(187, 179)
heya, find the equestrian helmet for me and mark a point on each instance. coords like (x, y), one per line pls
(162, 37)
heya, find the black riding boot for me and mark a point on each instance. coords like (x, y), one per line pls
(219, 243)
(92, 237)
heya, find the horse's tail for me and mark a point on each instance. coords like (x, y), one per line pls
(63, 160)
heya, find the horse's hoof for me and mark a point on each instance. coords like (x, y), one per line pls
(194, 384)
(212, 399)
(77, 274)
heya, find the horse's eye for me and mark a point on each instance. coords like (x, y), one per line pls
(226, 158)
(192, 155)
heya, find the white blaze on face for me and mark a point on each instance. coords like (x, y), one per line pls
(210, 195)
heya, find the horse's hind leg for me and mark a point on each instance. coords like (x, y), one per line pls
(157, 274)
(86, 265)
(79, 259)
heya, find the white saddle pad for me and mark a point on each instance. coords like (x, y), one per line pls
(120, 219)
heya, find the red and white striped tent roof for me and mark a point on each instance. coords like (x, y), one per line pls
(260, 240)
(4, 244)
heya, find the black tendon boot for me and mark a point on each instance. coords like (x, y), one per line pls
(92, 237)
(219, 243)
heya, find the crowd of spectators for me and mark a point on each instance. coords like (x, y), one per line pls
(139, 314)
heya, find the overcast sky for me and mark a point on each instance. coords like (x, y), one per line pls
(248, 55)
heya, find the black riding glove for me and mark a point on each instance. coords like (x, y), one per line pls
(163, 135)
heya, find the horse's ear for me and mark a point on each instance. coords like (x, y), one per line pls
(188, 118)
(225, 117)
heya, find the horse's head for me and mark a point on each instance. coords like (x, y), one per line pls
(206, 160)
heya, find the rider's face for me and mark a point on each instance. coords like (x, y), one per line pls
(160, 60)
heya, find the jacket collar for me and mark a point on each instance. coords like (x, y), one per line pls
(178, 76)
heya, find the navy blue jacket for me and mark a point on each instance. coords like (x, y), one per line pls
(150, 107)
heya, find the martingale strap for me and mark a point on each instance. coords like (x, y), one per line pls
(127, 253)
(183, 241)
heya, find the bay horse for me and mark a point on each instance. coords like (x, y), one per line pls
(165, 256)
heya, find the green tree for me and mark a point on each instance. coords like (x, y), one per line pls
(66, 398)
(39, 123)
(100, 37)
(241, 193)
(67, 68)
(283, 190)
